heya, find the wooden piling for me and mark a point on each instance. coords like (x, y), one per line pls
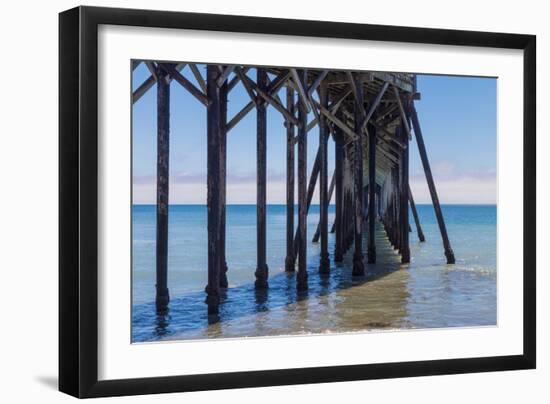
(290, 255)
(213, 189)
(324, 262)
(449, 254)
(404, 198)
(301, 281)
(317, 234)
(416, 218)
(339, 197)
(358, 266)
(371, 247)
(397, 227)
(223, 182)
(261, 185)
(309, 197)
(163, 153)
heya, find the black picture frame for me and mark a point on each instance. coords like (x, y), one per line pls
(78, 201)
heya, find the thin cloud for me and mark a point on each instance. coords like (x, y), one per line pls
(200, 178)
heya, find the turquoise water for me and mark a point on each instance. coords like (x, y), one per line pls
(426, 293)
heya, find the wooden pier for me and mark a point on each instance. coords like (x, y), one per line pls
(368, 117)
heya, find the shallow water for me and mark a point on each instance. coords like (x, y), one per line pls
(423, 294)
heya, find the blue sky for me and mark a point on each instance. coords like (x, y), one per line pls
(457, 115)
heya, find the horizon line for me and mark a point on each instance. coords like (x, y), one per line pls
(312, 204)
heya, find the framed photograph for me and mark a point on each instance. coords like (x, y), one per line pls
(252, 201)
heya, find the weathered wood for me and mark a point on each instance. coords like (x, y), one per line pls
(290, 259)
(324, 261)
(358, 94)
(190, 87)
(273, 87)
(275, 103)
(358, 265)
(300, 83)
(338, 122)
(404, 119)
(240, 115)
(153, 69)
(318, 230)
(213, 190)
(449, 254)
(198, 76)
(247, 83)
(223, 183)
(235, 80)
(397, 230)
(225, 74)
(416, 218)
(332, 109)
(148, 83)
(317, 82)
(371, 247)
(310, 190)
(339, 197)
(374, 105)
(301, 281)
(143, 88)
(261, 186)
(404, 198)
(163, 153)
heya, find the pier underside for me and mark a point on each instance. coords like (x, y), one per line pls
(369, 118)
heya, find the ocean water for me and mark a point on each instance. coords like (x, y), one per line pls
(426, 293)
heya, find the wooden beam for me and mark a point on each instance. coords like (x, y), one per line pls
(357, 89)
(339, 197)
(163, 154)
(324, 262)
(416, 218)
(402, 112)
(317, 82)
(278, 106)
(345, 128)
(152, 69)
(225, 74)
(274, 86)
(235, 80)
(143, 88)
(404, 198)
(148, 83)
(194, 91)
(261, 187)
(198, 76)
(290, 259)
(309, 197)
(333, 109)
(300, 88)
(358, 265)
(240, 115)
(317, 234)
(213, 191)
(247, 85)
(223, 184)
(301, 281)
(449, 254)
(374, 105)
(371, 247)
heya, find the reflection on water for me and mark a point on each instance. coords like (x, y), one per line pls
(425, 293)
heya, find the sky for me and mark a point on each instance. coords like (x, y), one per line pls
(457, 116)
